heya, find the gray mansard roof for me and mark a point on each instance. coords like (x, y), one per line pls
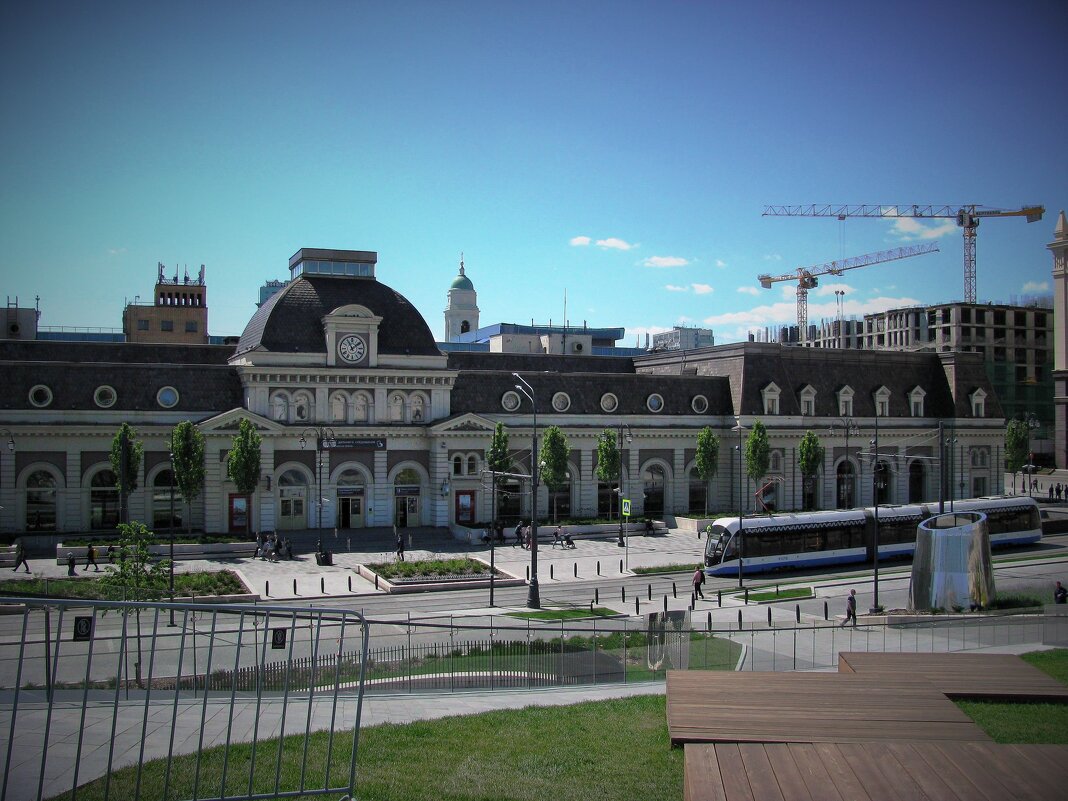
(290, 321)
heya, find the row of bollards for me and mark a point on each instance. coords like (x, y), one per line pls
(322, 586)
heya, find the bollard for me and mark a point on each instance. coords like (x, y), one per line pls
(719, 597)
(551, 571)
(267, 589)
(294, 586)
(350, 583)
(528, 573)
(322, 585)
(596, 597)
(665, 604)
(623, 594)
(636, 610)
(747, 596)
(650, 591)
(376, 581)
(576, 570)
(620, 565)
(710, 621)
(825, 611)
(674, 592)
(739, 620)
(797, 613)
(769, 615)
(598, 567)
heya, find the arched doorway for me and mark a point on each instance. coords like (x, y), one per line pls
(917, 482)
(845, 497)
(654, 480)
(103, 501)
(292, 500)
(350, 500)
(407, 488)
(162, 502)
(41, 501)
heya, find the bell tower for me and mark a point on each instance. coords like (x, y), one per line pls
(461, 313)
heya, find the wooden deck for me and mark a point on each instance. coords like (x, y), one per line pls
(875, 772)
(810, 708)
(987, 676)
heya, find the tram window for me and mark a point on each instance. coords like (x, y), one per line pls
(814, 541)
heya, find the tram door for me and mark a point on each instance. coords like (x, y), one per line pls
(350, 510)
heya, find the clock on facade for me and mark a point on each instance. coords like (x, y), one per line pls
(351, 348)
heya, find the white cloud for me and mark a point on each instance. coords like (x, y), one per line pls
(664, 261)
(702, 289)
(749, 290)
(826, 290)
(785, 312)
(579, 241)
(673, 288)
(1036, 286)
(909, 229)
(616, 244)
(683, 320)
(772, 257)
(116, 251)
(721, 263)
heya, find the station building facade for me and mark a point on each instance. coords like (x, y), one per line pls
(366, 421)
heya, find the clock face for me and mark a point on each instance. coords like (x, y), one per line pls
(352, 348)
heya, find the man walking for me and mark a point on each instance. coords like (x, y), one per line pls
(20, 557)
(400, 544)
(851, 609)
(1060, 593)
(90, 559)
(698, 580)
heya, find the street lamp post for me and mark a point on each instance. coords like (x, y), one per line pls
(1032, 424)
(170, 526)
(741, 501)
(875, 607)
(619, 443)
(324, 439)
(533, 591)
(849, 425)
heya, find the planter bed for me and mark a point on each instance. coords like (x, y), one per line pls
(431, 583)
(473, 536)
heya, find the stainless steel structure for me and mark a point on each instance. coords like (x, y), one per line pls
(951, 568)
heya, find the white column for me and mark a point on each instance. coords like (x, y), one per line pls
(633, 482)
(680, 489)
(587, 500)
(7, 486)
(74, 518)
(215, 487)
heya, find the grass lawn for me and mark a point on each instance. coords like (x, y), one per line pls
(221, 582)
(789, 594)
(564, 614)
(1023, 722)
(599, 750)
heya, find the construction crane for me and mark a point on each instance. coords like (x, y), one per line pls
(967, 217)
(808, 277)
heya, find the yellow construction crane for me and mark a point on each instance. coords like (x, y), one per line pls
(967, 217)
(808, 277)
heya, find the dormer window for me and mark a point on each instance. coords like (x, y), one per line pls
(845, 401)
(978, 399)
(882, 402)
(808, 401)
(770, 394)
(916, 401)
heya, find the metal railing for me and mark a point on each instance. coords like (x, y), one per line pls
(109, 694)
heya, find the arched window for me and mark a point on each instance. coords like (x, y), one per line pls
(103, 501)
(847, 485)
(457, 465)
(653, 483)
(361, 408)
(396, 409)
(472, 465)
(339, 407)
(162, 505)
(418, 405)
(41, 501)
(280, 407)
(303, 407)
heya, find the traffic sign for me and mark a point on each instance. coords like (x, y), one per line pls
(626, 507)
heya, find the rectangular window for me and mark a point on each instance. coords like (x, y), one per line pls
(142, 325)
(917, 408)
(806, 407)
(166, 325)
(190, 326)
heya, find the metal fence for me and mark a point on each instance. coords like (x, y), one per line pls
(102, 700)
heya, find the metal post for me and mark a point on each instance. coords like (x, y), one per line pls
(533, 590)
(875, 502)
(170, 525)
(323, 437)
(741, 503)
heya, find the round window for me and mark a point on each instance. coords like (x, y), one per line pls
(40, 396)
(561, 402)
(510, 401)
(609, 402)
(655, 403)
(105, 396)
(699, 404)
(167, 397)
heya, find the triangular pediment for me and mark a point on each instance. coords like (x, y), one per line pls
(465, 423)
(228, 422)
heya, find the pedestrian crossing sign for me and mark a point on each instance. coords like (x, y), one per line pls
(626, 507)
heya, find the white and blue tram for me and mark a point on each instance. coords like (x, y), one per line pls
(817, 539)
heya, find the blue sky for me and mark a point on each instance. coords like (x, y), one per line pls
(618, 152)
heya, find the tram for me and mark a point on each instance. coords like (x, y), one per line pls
(844, 536)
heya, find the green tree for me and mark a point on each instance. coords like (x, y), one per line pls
(707, 458)
(1017, 435)
(810, 460)
(187, 454)
(136, 575)
(554, 455)
(126, 469)
(243, 463)
(757, 452)
(608, 462)
(499, 460)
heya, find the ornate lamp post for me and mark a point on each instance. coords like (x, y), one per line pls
(619, 444)
(741, 498)
(324, 440)
(1032, 424)
(875, 471)
(849, 425)
(170, 526)
(533, 590)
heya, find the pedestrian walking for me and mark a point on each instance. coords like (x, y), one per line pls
(1051, 492)
(851, 609)
(111, 554)
(20, 556)
(518, 534)
(70, 564)
(400, 544)
(1060, 593)
(698, 580)
(90, 559)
